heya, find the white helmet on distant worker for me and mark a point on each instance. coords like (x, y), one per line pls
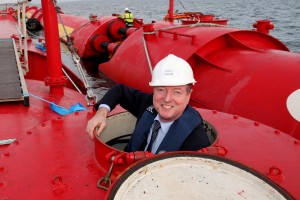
(172, 71)
(126, 9)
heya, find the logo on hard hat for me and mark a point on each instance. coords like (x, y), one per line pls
(169, 72)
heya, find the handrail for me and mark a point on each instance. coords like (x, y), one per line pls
(25, 64)
(21, 75)
(22, 33)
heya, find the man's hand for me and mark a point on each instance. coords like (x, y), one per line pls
(97, 123)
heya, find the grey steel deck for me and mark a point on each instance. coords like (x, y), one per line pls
(10, 82)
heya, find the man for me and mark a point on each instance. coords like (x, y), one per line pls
(180, 126)
(127, 17)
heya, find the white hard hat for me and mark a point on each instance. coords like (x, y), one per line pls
(172, 71)
(126, 9)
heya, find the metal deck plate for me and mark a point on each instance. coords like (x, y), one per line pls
(10, 84)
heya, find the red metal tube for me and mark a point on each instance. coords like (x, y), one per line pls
(55, 78)
(171, 10)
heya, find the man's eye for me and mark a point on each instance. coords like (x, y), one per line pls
(160, 89)
(177, 92)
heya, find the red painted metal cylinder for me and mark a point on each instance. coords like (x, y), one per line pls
(233, 68)
(171, 11)
(130, 31)
(112, 47)
(91, 33)
(113, 28)
(263, 26)
(97, 40)
(55, 79)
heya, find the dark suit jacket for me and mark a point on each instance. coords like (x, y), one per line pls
(136, 103)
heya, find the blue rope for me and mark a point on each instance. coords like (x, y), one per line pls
(40, 98)
(58, 109)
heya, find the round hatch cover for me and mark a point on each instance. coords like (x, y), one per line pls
(193, 176)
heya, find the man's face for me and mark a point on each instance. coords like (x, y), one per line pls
(170, 101)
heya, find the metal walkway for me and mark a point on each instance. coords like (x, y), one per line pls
(12, 83)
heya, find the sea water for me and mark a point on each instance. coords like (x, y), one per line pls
(284, 14)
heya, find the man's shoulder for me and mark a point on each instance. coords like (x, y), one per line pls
(192, 111)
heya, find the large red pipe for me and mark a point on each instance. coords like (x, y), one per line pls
(171, 10)
(55, 80)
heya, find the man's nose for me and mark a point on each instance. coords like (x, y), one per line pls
(168, 96)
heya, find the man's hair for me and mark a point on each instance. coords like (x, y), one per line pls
(189, 88)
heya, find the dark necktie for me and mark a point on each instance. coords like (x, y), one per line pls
(156, 127)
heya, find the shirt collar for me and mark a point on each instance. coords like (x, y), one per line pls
(165, 126)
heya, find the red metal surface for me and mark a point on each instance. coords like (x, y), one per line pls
(8, 26)
(272, 151)
(53, 158)
(237, 71)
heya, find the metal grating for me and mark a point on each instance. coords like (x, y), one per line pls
(10, 84)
